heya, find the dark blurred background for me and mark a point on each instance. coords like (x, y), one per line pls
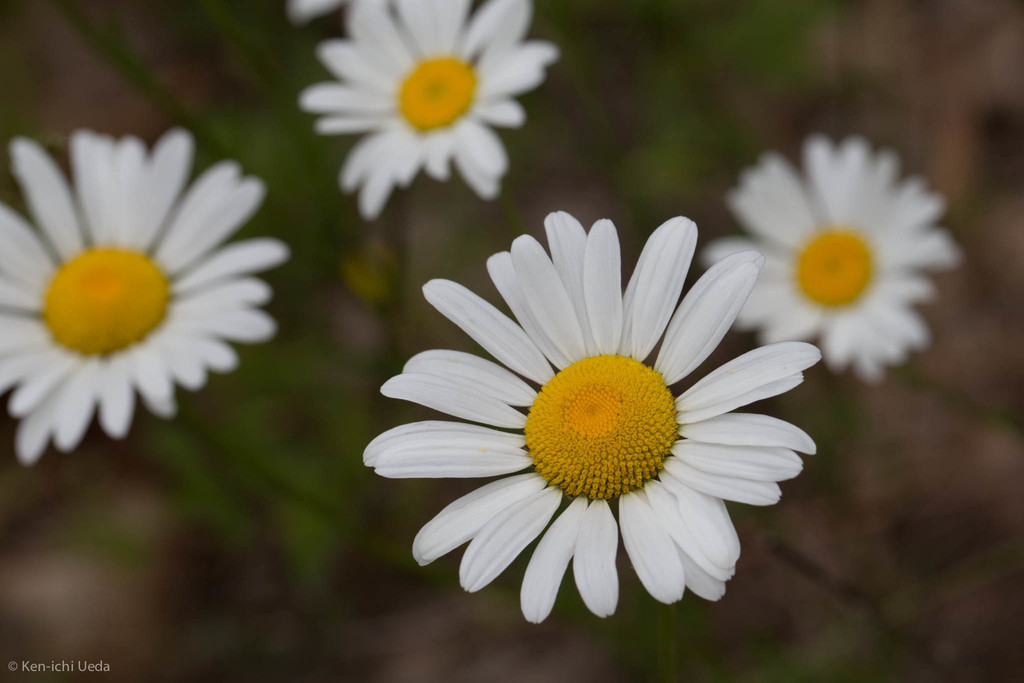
(245, 540)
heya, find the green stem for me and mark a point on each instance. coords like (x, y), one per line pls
(667, 637)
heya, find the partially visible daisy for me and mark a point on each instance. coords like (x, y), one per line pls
(123, 285)
(425, 84)
(846, 251)
(605, 428)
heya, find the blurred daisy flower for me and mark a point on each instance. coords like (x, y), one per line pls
(845, 253)
(425, 84)
(124, 287)
(605, 428)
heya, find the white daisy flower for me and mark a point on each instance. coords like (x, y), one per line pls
(124, 287)
(846, 248)
(605, 424)
(425, 85)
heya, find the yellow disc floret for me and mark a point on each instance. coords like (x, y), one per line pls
(104, 300)
(601, 427)
(437, 93)
(835, 268)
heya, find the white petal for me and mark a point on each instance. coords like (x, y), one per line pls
(23, 257)
(239, 258)
(506, 281)
(698, 524)
(749, 429)
(439, 449)
(836, 173)
(77, 404)
(650, 549)
(116, 398)
(450, 397)
(348, 61)
(335, 98)
(47, 194)
(593, 565)
(501, 540)
(301, 11)
(773, 202)
(729, 488)
(653, 291)
(501, 22)
(489, 328)
(546, 298)
(166, 176)
(568, 243)
(699, 581)
(602, 287)
(463, 518)
(505, 113)
(370, 24)
(34, 431)
(488, 377)
(758, 374)
(438, 432)
(549, 562)
(506, 73)
(760, 463)
(59, 365)
(706, 314)
(14, 294)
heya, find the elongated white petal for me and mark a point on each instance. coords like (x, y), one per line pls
(463, 518)
(593, 565)
(758, 374)
(436, 432)
(729, 488)
(602, 286)
(488, 377)
(650, 549)
(749, 429)
(456, 399)
(77, 404)
(501, 540)
(47, 195)
(446, 449)
(239, 258)
(23, 257)
(706, 313)
(567, 241)
(35, 430)
(546, 297)
(116, 398)
(653, 291)
(549, 562)
(760, 463)
(489, 328)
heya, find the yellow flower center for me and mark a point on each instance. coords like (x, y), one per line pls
(835, 268)
(601, 427)
(437, 93)
(104, 300)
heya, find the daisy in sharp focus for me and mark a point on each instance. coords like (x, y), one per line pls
(425, 83)
(123, 286)
(846, 251)
(605, 428)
